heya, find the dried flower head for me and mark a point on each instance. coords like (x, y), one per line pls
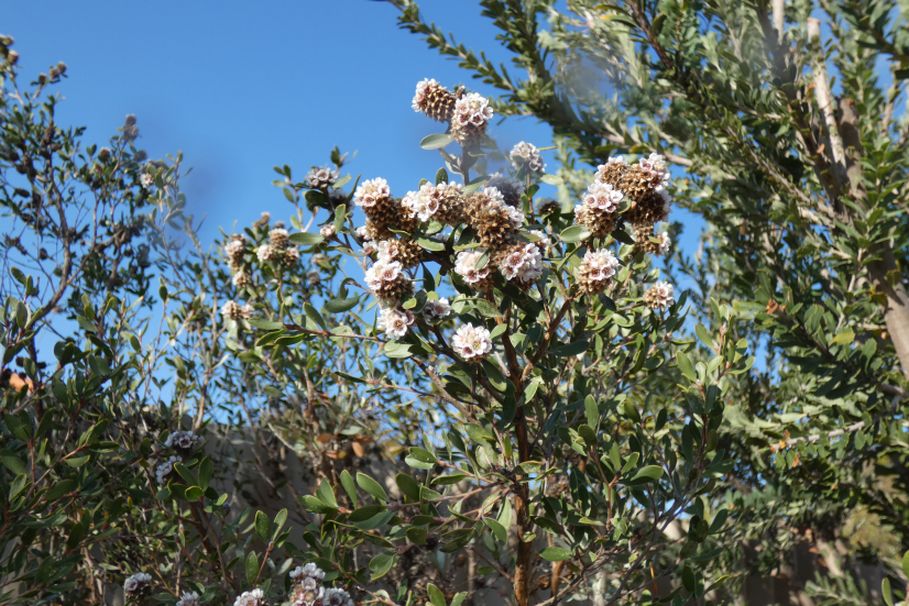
(474, 267)
(494, 221)
(321, 177)
(267, 252)
(278, 237)
(407, 252)
(472, 113)
(471, 342)
(659, 296)
(234, 311)
(372, 192)
(387, 280)
(263, 219)
(256, 597)
(394, 322)
(234, 250)
(434, 100)
(290, 255)
(241, 279)
(596, 269)
(137, 584)
(526, 159)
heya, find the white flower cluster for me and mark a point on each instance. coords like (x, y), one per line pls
(371, 191)
(471, 342)
(234, 250)
(182, 440)
(526, 159)
(496, 202)
(524, 264)
(383, 273)
(395, 322)
(660, 295)
(437, 310)
(655, 164)
(665, 243)
(421, 204)
(308, 590)
(321, 177)
(256, 597)
(595, 270)
(165, 468)
(278, 248)
(137, 583)
(467, 266)
(602, 196)
(472, 114)
(189, 598)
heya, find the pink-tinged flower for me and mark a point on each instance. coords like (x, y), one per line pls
(602, 196)
(466, 266)
(371, 192)
(470, 118)
(422, 204)
(523, 263)
(471, 342)
(525, 158)
(256, 597)
(137, 583)
(395, 322)
(437, 310)
(596, 269)
(659, 296)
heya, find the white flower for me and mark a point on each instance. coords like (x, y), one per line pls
(419, 96)
(327, 230)
(471, 342)
(309, 570)
(660, 295)
(383, 272)
(466, 266)
(472, 109)
(656, 164)
(363, 233)
(266, 253)
(182, 440)
(321, 177)
(603, 168)
(436, 310)
(525, 158)
(395, 322)
(523, 263)
(234, 250)
(371, 191)
(146, 180)
(189, 598)
(240, 279)
(164, 469)
(665, 243)
(599, 265)
(256, 597)
(136, 583)
(336, 597)
(602, 196)
(421, 204)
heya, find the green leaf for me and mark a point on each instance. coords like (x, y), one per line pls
(436, 597)
(252, 567)
(393, 349)
(648, 472)
(326, 494)
(574, 233)
(436, 141)
(555, 554)
(306, 238)
(843, 337)
(13, 463)
(337, 306)
(262, 525)
(371, 487)
(380, 565)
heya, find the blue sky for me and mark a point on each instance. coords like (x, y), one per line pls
(238, 88)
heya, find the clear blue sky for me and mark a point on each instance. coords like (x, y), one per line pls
(239, 87)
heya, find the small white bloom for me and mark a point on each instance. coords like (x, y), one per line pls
(395, 322)
(383, 272)
(665, 243)
(307, 570)
(524, 264)
(146, 180)
(525, 158)
(266, 253)
(371, 191)
(234, 311)
(472, 109)
(421, 204)
(327, 230)
(466, 266)
(136, 583)
(164, 469)
(602, 196)
(437, 310)
(278, 237)
(336, 597)
(660, 295)
(321, 177)
(419, 95)
(471, 342)
(256, 597)
(182, 440)
(189, 598)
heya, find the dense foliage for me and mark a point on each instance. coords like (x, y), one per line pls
(506, 385)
